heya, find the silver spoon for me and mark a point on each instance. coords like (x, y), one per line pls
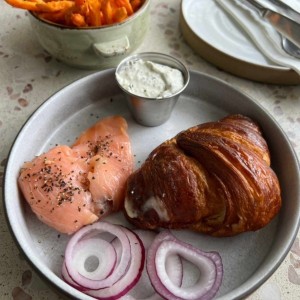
(290, 48)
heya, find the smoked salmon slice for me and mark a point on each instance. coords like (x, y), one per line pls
(70, 187)
(107, 147)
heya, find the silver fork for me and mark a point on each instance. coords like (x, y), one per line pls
(289, 47)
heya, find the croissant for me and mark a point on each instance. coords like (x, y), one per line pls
(213, 178)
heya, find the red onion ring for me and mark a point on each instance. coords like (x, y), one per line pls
(143, 289)
(91, 232)
(66, 277)
(89, 248)
(132, 274)
(121, 265)
(209, 263)
(86, 249)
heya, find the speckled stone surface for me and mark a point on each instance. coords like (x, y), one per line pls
(28, 76)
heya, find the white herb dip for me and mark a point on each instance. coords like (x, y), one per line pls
(149, 79)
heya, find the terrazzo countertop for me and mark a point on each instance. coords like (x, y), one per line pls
(29, 76)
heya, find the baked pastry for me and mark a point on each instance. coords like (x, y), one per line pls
(213, 178)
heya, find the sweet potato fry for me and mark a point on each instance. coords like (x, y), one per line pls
(93, 19)
(107, 11)
(57, 17)
(120, 14)
(136, 4)
(126, 4)
(28, 5)
(102, 17)
(54, 6)
(80, 13)
(79, 2)
(78, 20)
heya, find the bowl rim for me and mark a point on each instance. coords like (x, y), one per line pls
(45, 22)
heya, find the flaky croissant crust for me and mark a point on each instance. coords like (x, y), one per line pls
(213, 178)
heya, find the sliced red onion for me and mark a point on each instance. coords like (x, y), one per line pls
(98, 253)
(209, 264)
(66, 277)
(121, 264)
(174, 269)
(87, 235)
(143, 289)
(132, 274)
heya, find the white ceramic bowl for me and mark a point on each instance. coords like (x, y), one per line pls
(95, 47)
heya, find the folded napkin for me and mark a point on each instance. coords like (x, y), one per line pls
(265, 37)
(293, 4)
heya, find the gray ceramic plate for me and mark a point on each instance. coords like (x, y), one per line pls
(249, 259)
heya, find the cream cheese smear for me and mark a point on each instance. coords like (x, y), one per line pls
(150, 80)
